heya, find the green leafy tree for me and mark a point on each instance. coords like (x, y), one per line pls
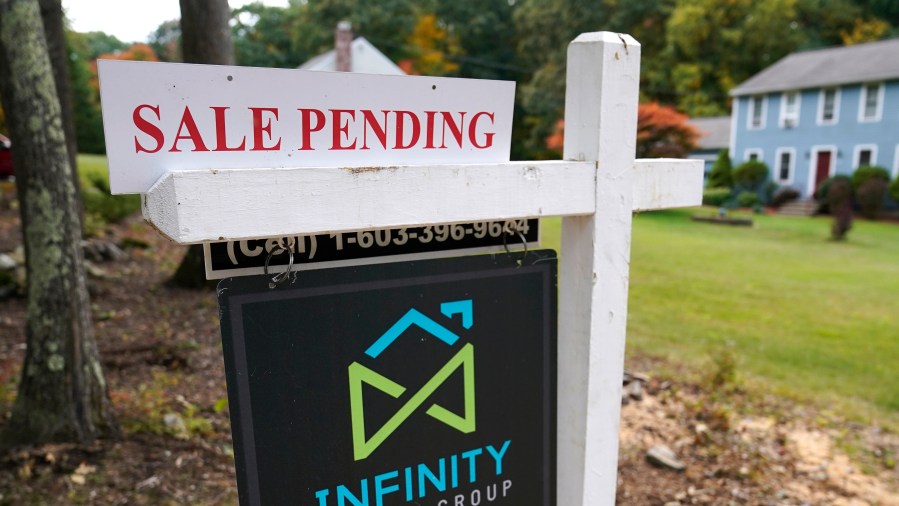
(713, 45)
(865, 30)
(386, 24)
(823, 22)
(166, 40)
(886, 10)
(97, 43)
(263, 36)
(485, 34)
(85, 97)
(721, 175)
(544, 29)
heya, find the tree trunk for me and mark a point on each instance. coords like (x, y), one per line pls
(205, 38)
(205, 32)
(62, 393)
(54, 31)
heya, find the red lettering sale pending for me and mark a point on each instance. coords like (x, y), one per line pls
(161, 117)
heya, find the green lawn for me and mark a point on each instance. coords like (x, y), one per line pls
(808, 317)
(92, 164)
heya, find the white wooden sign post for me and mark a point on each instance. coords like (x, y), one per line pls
(595, 189)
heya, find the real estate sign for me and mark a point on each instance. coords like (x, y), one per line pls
(161, 117)
(411, 383)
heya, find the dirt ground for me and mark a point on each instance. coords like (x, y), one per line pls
(162, 355)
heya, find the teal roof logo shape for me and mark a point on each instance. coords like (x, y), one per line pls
(464, 358)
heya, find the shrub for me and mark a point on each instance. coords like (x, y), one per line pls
(839, 200)
(867, 172)
(101, 208)
(870, 196)
(715, 196)
(748, 199)
(894, 190)
(768, 191)
(750, 175)
(721, 175)
(822, 191)
(783, 196)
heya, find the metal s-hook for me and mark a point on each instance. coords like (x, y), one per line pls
(524, 242)
(280, 278)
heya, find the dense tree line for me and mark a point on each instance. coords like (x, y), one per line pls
(694, 51)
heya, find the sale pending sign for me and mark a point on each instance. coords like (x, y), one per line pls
(161, 117)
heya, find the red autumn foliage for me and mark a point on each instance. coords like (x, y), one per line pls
(662, 132)
(136, 52)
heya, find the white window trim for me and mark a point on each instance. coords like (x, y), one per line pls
(750, 151)
(857, 153)
(783, 109)
(836, 107)
(896, 163)
(749, 108)
(734, 121)
(791, 170)
(813, 165)
(862, 98)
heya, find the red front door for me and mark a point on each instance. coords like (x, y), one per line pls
(822, 167)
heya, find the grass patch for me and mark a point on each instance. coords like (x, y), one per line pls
(101, 208)
(805, 316)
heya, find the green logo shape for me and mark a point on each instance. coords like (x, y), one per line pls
(360, 374)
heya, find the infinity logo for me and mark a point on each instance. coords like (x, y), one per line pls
(359, 374)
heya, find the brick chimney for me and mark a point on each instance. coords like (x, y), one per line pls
(343, 43)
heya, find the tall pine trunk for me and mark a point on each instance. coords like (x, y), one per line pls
(62, 393)
(205, 38)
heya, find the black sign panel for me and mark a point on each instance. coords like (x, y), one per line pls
(416, 383)
(237, 258)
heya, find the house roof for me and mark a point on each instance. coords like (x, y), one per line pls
(365, 58)
(874, 61)
(714, 133)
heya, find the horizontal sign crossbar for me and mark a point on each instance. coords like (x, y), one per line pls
(235, 204)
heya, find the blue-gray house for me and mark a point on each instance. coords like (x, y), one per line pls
(814, 114)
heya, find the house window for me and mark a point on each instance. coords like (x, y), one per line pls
(789, 109)
(871, 101)
(865, 155)
(756, 112)
(753, 155)
(784, 167)
(829, 106)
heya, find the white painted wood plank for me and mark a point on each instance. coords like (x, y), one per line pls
(211, 205)
(665, 183)
(600, 125)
